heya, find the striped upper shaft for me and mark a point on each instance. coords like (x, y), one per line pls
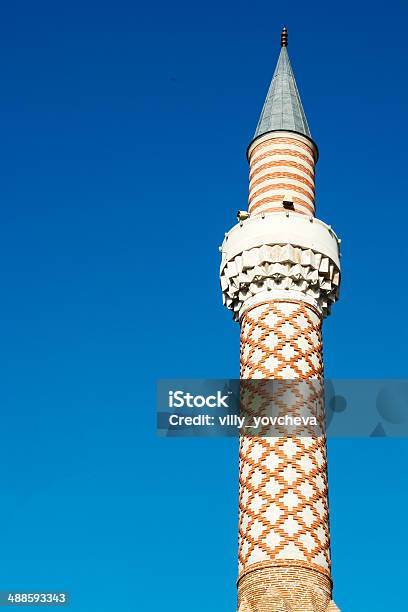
(282, 168)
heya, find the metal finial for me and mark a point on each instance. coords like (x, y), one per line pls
(284, 37)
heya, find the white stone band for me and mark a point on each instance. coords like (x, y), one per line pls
(281, 228)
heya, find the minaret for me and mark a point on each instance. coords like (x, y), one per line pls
(280, 274)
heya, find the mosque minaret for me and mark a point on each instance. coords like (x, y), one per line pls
(280, 275)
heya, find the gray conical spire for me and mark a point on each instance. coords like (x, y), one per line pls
(283, 108)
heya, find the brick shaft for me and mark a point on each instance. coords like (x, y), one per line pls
(284, 544)
(281, 165)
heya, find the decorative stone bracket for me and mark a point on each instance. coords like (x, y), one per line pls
(265, 257)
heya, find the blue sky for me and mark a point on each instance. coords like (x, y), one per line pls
(122, 164)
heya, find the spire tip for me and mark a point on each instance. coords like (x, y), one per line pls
(284, 37)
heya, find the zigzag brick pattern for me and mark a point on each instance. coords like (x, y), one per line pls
(283, 508)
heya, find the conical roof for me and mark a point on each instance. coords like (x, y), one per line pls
(283, 108)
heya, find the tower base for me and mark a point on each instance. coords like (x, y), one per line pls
(285, 588)
(244, 607)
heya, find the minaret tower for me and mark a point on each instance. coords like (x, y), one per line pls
(280, 274)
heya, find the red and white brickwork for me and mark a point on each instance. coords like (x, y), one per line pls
(281, 165)
(283, 508)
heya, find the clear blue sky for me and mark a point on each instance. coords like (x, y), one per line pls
(122, 162)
